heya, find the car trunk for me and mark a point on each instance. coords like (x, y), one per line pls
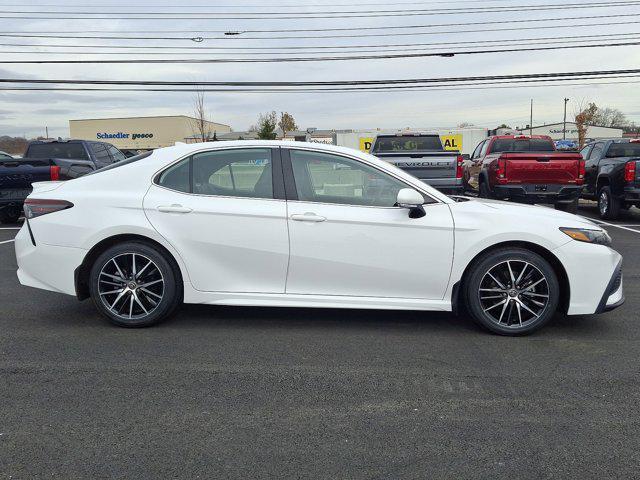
(543, 168)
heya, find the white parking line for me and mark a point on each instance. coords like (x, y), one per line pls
(10, 228)
(6, 241)
(614, 225)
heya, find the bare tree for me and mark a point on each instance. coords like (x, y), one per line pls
(287, 123)
(201, 125)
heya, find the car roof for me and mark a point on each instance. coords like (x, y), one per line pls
(167, 155)
(534, 137)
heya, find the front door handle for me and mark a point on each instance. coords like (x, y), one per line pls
(308, 217)
(175, 208)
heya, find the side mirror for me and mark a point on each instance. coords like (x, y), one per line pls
(413, 200)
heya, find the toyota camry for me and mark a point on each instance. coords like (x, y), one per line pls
(269, 223)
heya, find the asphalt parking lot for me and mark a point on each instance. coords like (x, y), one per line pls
(264, 393)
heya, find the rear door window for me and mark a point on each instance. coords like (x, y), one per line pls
(101, 154)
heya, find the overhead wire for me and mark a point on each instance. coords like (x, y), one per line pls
(443, 53)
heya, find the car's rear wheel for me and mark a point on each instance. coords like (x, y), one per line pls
(134, 284)
(608, 205)
(511, 291)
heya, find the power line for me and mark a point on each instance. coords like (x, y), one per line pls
(333, 29)
(280, 5)
(323, 83)
(285, 37)
(289, 91)
(443, 53)
(330, 15)
(380, 49)
(271, 50)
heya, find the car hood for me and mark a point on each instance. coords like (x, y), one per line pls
(523, 213)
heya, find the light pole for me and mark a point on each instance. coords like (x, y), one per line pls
(531, 120)
(564, 126)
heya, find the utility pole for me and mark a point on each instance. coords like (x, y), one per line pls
(531, 120)
(46, 132)
(564, 123)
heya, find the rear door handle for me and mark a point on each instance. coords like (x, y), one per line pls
(308, 217)
(174, 209)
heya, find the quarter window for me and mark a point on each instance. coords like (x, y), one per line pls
(326, 178)
(176, 177)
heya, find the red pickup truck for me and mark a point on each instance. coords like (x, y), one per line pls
(527, 169)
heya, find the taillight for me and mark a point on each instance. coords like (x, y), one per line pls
(36, 207)
(630, 171)
(501, 170)
(459, 166)
(54, 172)
(582, 171)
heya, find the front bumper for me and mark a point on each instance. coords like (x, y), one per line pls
(591, 271)
(538, 193)
(613, 296)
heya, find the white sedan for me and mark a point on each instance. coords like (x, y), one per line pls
(268, 223)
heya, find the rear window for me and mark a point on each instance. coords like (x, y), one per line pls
(72, 151)
(617, 150)
(522, 145)
(407, 143)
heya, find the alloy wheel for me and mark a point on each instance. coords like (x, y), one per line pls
(514, 293)
(131, 286)
(603, 203)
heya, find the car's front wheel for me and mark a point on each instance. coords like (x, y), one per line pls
(511, 291)
(608, 205)
(134, 284)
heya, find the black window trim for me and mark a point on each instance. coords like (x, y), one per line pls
(277, 176)
(292, 192)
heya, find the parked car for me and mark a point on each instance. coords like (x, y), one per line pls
(5, 156)
(613, 175)
(423, 156)
(268, 223)
(526, 169)
(48, 160)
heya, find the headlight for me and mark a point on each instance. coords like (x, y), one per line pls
(601, 237)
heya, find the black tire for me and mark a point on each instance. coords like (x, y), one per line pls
(571, 207)
(147, 303)
(518, 321)
(10, 215)
(483, 190)
(608, 205)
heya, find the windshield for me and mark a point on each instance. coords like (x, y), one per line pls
(522, 145)
(407, 143)
(72, 151)
(618, 150)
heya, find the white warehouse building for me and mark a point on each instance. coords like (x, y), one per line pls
(555, 131)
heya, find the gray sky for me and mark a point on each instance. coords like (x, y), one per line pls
(28, 112)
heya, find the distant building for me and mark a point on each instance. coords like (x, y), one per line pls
(555, 131)
(142, 133)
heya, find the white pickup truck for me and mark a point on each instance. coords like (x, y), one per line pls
(423, 156)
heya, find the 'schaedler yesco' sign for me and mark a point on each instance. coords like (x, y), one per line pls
(120, 135)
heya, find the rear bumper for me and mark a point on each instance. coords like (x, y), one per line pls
(45, 266)
(538, 193)
(631, 194)
(452, 186)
